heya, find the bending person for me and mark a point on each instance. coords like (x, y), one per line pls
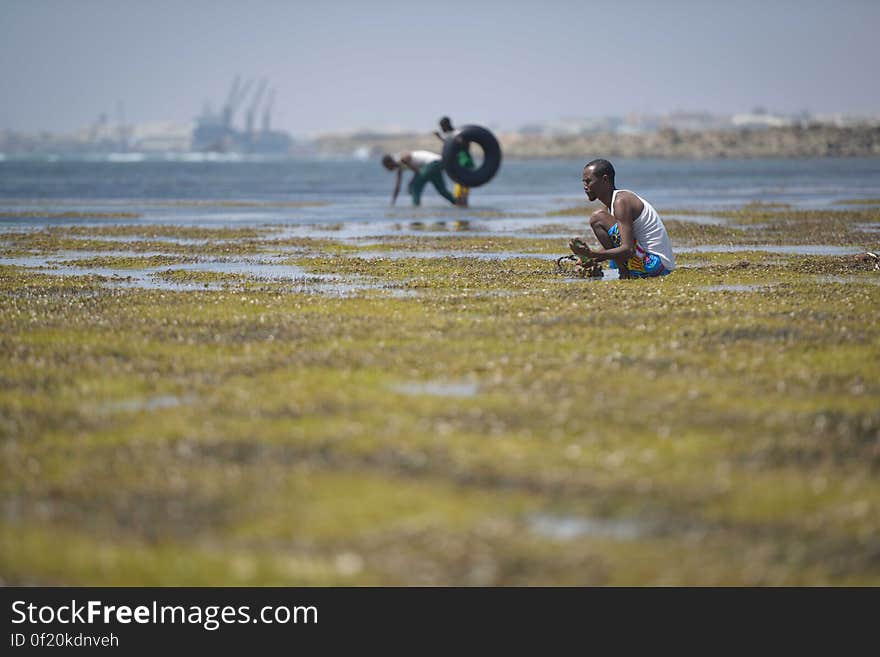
(426, 167)
(630, 231)
(460, 192)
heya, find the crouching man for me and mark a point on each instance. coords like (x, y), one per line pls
(630, 230)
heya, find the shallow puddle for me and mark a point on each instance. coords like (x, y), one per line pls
(567, 528)
(704, 219)
(168, 239)
(848, 280)
(437, 388)
(147, 403)
(479, 255)
(59, 257)
(696, 264)
(738, 287)
(482, 227)
(798, 249)
(150, 278)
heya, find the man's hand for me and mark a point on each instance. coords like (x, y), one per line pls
(579, 247)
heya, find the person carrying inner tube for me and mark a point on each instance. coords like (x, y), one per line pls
(630, 231)
(464, 159)
(426, 167)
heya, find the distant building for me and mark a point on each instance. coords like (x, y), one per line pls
(693, 121)
(161, 137)
(841, 120)
(761, 118)
(217, 133)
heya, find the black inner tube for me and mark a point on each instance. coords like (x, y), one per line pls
(463, 175)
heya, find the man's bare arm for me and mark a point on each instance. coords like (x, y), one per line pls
(624, 215)
(399, 173)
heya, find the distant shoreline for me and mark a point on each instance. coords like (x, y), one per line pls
(783, 142)
(789, 142)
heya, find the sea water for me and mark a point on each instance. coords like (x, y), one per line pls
(353, 192)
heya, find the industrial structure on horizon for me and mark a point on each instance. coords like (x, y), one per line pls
(216, 133)
(209, 133)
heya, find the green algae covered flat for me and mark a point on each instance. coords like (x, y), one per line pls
(501, 423)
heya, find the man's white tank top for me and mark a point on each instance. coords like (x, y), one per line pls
(649, 231)
(419, 158)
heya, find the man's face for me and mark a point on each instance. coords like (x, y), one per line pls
(592, 184)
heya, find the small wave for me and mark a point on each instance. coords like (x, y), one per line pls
(204, 157)
(362, 153)
(125, 157)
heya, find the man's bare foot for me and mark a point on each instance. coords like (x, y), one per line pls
(588, 269)
(869, 256)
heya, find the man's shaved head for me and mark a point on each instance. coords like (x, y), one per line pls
(602, 168)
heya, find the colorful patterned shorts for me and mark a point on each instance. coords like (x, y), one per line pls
(642, 263)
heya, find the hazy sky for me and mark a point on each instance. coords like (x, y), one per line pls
(379, 63)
